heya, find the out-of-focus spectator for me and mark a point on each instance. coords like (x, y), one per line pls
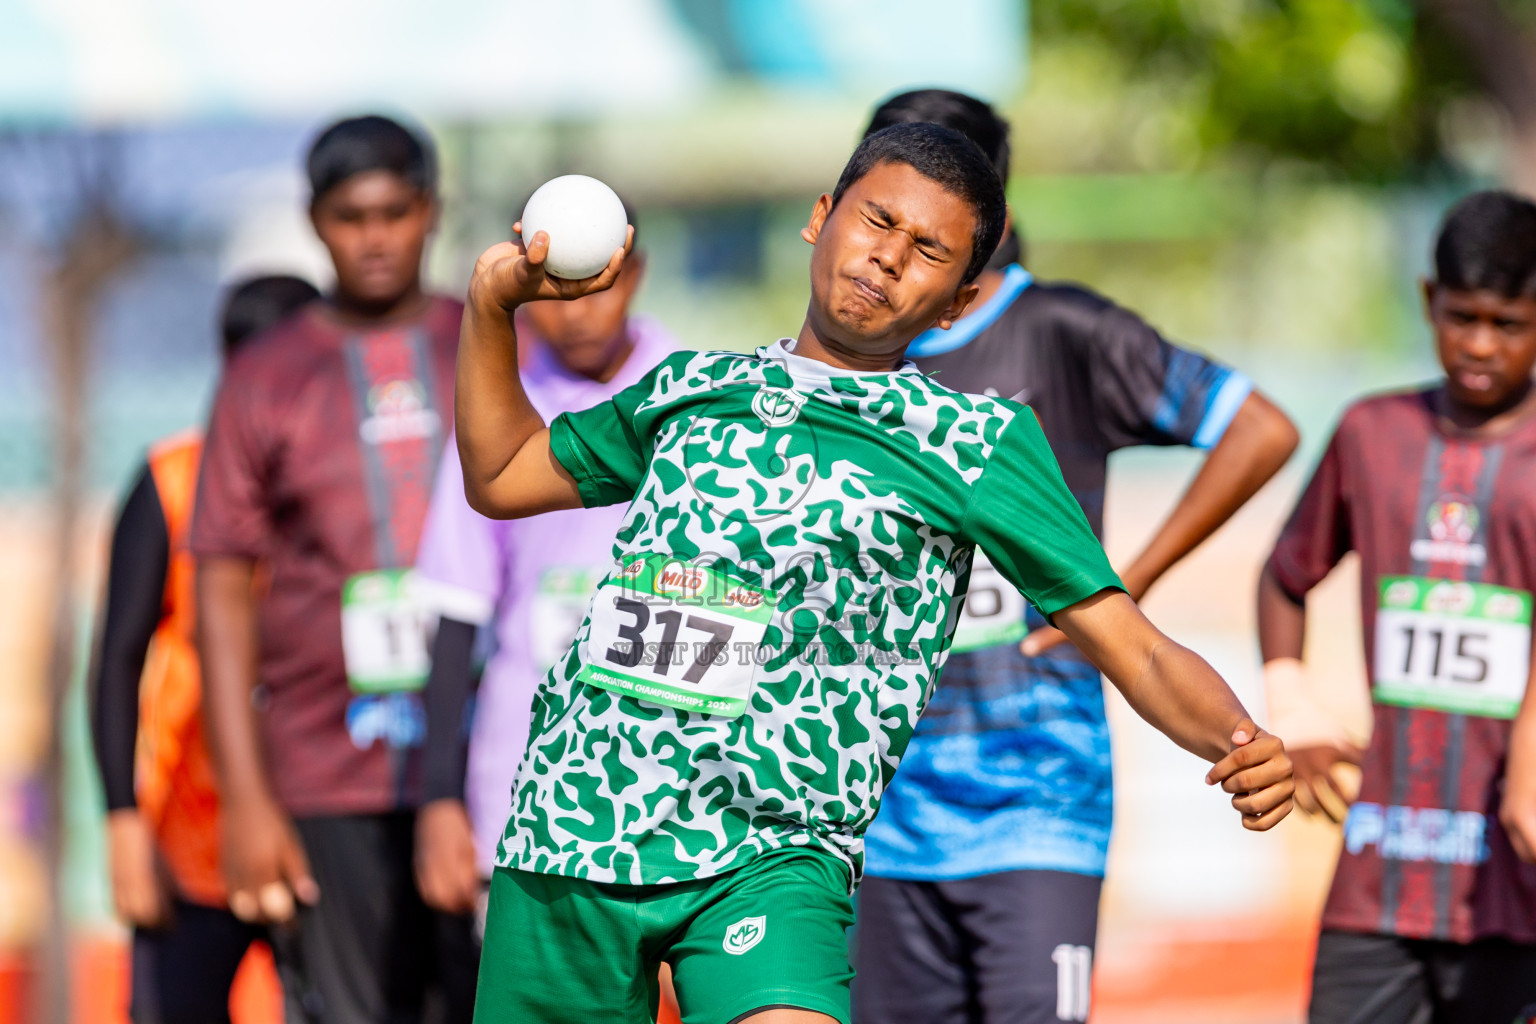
(988, 855)
(321, 453)
(1432, 912)
(146, 693)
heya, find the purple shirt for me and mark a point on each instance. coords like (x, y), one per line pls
(532, 577)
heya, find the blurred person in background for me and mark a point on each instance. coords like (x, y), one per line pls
(321, 453)
(1431, 918)
(529, 581)
(986, 860)
(146, 692)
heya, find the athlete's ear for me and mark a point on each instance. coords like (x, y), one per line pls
(1428, 286)
(819, 214)
(964, 296)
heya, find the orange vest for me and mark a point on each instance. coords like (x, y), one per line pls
(174, 778)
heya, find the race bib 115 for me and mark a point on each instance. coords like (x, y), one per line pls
(1459, 647)
(385, 632)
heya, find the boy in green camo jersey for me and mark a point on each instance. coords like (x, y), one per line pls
(703, 763)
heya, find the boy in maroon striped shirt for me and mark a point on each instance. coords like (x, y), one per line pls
(1432, 913)
(322, 448)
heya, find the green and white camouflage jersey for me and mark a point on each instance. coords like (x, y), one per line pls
(797, 545)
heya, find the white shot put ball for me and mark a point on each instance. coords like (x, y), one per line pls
(585, 222)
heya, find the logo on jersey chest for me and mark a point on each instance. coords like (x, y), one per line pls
(777, 407)
(398, 410)
(1452, 523)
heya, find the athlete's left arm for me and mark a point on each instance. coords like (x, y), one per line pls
(1517, 809)
(1255, 445)
(1182, 697)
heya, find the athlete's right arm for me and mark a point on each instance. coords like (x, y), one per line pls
(232, 527)
(509, 469)
(135, 594)
(1313, 541)
(263, 860)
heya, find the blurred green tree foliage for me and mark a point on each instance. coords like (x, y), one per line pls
(1372, 90)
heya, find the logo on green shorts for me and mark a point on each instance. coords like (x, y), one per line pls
(744, 934)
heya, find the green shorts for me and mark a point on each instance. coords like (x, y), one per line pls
(770, 934)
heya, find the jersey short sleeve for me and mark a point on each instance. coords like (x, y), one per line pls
(1149, 391)
(603, 447)
(1027, 522)
(1318, 533)
(459, 563)
(231, 518)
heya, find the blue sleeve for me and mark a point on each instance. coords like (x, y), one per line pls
(1149, 391)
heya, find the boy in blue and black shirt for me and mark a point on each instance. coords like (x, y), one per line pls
(985, 863)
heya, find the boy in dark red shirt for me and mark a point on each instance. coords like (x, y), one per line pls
(319, 463)
(1432, 914)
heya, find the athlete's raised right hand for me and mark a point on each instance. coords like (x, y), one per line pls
(264, 863)
(509, 274)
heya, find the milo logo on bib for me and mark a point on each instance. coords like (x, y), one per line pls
(678, 580)
(743, 597)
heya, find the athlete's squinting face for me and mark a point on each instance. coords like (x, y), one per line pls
(1486, 342)
(888, 261)
(375, 225)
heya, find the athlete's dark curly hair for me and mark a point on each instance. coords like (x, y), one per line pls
(371, 143)
(948, 158)
(1488, 243)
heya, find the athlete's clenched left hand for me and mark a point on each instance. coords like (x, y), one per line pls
(1258, 774)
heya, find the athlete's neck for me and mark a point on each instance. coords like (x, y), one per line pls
(1474, 421)
(621, 354)
(619, 351)
(812, 345)
(359, 312)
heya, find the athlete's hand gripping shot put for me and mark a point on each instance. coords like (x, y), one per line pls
(801, 522)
